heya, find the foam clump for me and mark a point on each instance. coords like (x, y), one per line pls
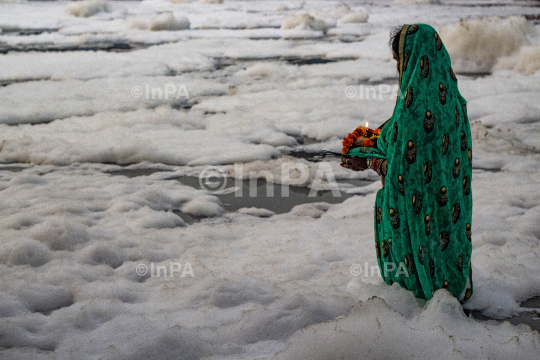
(86, 8)
(470, 42)
(313, 210)
(526, 61)
(203, 206)
(340, 11)
(359, 16)
(253, 211)
(369, 331)
(168, 21)
(161, 22)
(306, 22)
(151, 219)
(25, 252)
(106, 254)
(60, 233)
(344, 14)
(44, 297)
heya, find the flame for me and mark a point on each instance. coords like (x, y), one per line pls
(367, 124)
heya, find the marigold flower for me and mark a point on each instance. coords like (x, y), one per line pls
(368, 142)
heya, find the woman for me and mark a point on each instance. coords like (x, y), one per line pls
(423, 212)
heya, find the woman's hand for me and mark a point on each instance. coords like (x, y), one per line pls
(384, 170)
(355, 163)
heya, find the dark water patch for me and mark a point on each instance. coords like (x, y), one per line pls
(44, 120)
(17, 81)
(131, 173)
(306, 155)
(531, 318)
(380, 81)
(267, 37)
(535, 19)
(13, 168)
(189, 219)
(295, 60)
(116, 46)
(214, 112)
(313, 156)
(521, 3)
(494, 170)
(351, 38)
(309, 61)
(182, 106)
(313, 60)
(305, 140)
(279, 202)
(533, 302)
(260, 193)
(222, 62)
(9, 30)
(474, 75)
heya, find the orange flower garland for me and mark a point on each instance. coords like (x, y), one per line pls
(369, 141)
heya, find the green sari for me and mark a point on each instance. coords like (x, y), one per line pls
(423, 214)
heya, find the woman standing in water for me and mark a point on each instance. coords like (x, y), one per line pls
(424, 155)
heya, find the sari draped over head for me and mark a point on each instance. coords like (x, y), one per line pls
(423, 214)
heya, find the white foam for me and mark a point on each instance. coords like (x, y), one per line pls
(106, 254)
(356, 17)
(369, 331)
(167, 21)
(76, 233)
(253, 211)
(306, 22)
(470, 41)
(24, 251)
(527, 61)
(266, 70)
(60, 234)
(86, 8)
